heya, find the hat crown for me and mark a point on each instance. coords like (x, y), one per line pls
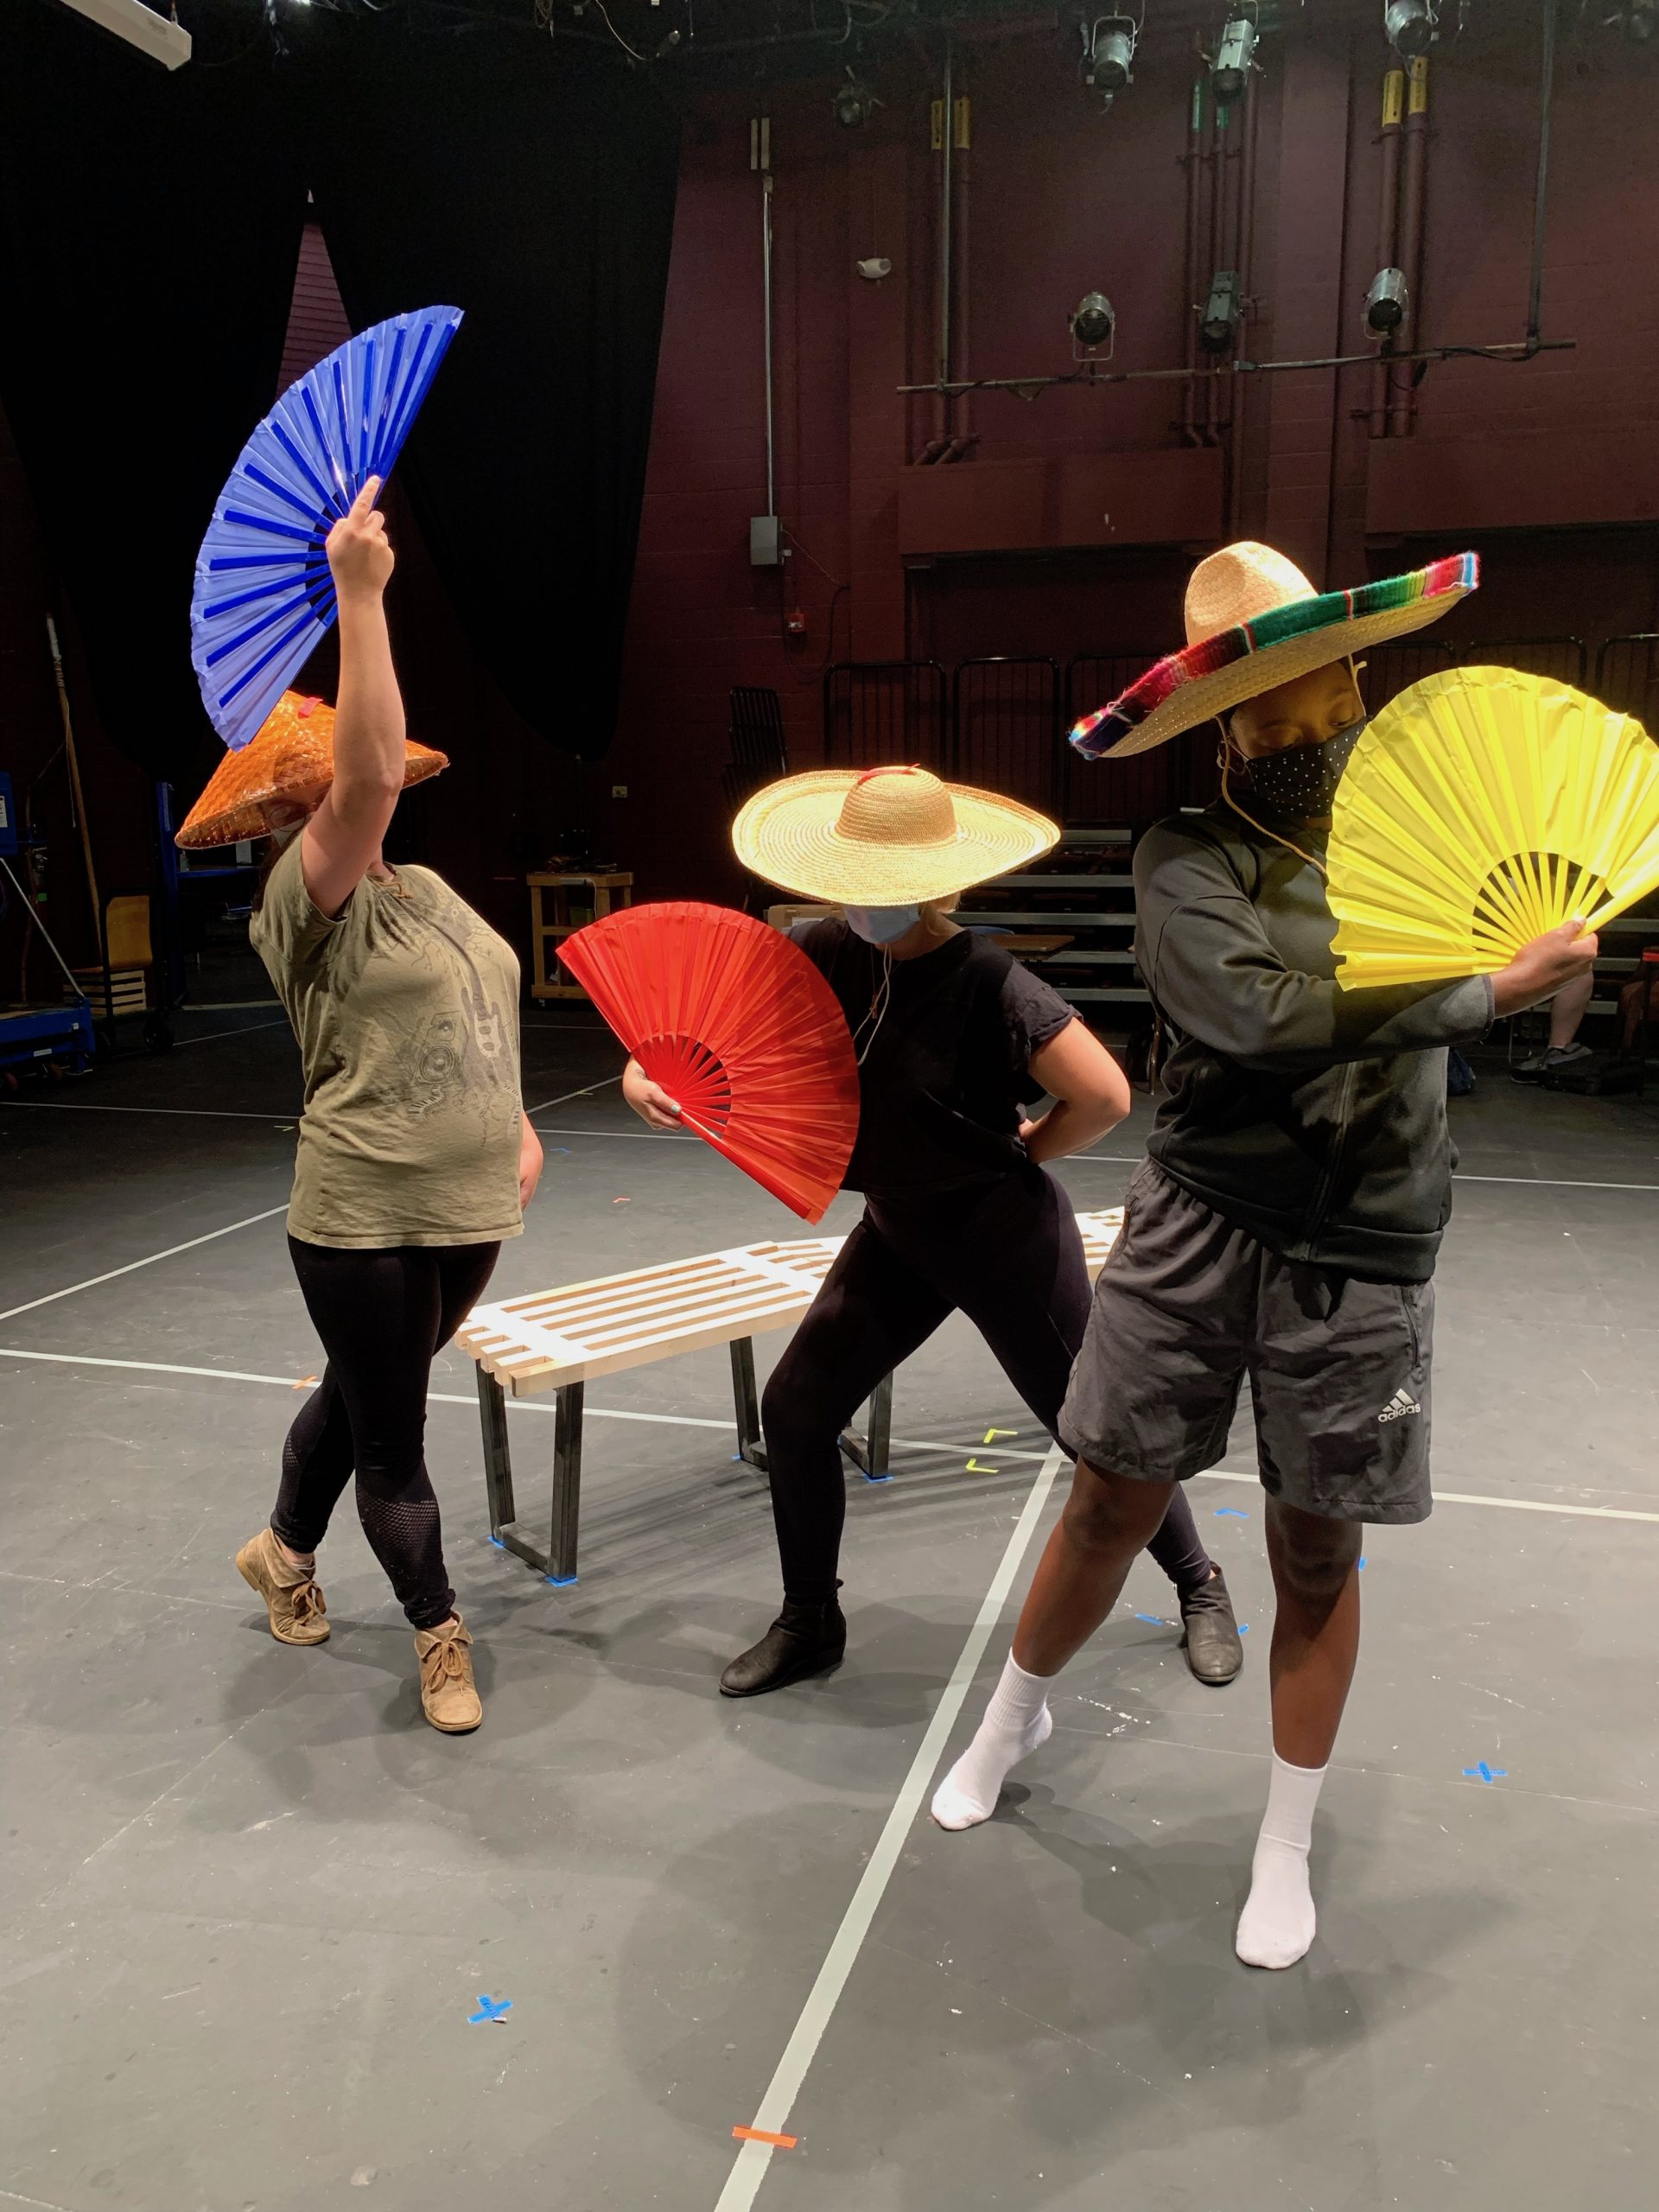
(1238, 585)
(898, 806)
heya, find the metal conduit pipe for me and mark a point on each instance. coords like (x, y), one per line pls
(1402, 399)
(1388, 225)
(1218, 135)
(1194, 157)
(1237, 392)
(946, 244)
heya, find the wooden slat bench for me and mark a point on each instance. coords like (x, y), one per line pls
(559, 1340)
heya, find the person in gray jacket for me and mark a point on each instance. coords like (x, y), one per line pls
(1285, 1222)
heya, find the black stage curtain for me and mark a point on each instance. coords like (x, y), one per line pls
(150, 227)
(531, 182)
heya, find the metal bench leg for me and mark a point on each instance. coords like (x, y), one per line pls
(497, 1458)
(567, 1483)
(750, 1445)
(870, 1453)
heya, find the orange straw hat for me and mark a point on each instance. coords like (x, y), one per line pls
(280, 774)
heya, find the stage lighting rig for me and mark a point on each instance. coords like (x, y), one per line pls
(1220, 325)
(1108, 45)
(856, 102)
(1093, 324)
(1386, 303)
(1235, 57)
(1411, 27)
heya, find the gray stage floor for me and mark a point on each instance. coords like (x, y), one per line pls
(249, 1902)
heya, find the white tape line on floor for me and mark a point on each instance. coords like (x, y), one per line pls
(919, 1444)
(750, 2166)
(132, 1266)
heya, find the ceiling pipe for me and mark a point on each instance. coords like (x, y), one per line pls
(1217, 139)
(947, 193)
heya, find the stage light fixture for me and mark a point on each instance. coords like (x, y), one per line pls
(1411, 27)
(1220, 325)
(1229, 72)
(1109, 53)
(1387, 302)
(856, 103)
(1093, 321)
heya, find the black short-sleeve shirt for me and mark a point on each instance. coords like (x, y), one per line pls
(947, 1072)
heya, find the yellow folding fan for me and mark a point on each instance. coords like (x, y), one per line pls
(1481, 808)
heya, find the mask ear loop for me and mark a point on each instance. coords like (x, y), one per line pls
(878, 1011)
(1221, 760)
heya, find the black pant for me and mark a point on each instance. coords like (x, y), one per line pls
(381, 1317)
(1011, 1259)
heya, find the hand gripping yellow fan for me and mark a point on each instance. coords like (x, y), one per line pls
(1481, 808)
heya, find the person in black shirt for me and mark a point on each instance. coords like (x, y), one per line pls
(951, 1036)
(1287, 1221)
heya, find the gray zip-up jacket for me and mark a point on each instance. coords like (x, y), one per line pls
(1312, 1116)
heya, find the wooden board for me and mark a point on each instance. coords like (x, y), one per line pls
(549, 1337)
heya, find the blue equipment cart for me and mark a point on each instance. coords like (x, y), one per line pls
(39, 1032)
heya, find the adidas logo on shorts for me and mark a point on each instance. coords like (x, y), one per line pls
(1400, 1403)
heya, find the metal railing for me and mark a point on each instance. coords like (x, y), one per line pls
(1005, 726)
(883, 712)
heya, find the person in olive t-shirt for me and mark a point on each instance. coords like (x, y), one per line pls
(416, 1159)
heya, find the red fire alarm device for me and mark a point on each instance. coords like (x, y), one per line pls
(795, 622)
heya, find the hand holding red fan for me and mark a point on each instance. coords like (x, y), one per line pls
(738, 1027)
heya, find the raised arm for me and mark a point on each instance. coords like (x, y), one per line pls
(342, 838)
(1089, 1090)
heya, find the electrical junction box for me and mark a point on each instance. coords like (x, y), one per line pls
(765, 543)
(8, 819)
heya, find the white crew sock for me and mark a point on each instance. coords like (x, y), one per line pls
(1277, 1926)
(1016, 1722)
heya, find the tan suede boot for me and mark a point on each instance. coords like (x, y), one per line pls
(291, 1596)
(448, 1697)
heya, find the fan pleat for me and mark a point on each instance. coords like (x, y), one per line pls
(344, 421)
(737, 1027)
(1482, 808)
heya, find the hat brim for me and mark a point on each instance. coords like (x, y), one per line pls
(255, 792)
(1209, 679)
(788, 835)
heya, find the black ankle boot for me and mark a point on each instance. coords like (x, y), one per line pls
(803, 1640)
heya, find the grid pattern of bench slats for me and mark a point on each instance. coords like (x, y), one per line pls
(552, 1337)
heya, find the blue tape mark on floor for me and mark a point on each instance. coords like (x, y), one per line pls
(878, 1478)
(560, 1581)
(1243, 1628)
(489, 2008)
(1155, 1620)
(1485, 1773)
(1231, 1513)
(1362, 1562)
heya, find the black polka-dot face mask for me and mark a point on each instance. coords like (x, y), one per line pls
(1302, 780)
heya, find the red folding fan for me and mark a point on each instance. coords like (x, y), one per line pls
(740, 1029)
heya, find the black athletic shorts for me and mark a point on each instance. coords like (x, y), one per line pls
(1187, 1305)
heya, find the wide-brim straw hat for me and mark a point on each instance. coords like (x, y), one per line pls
(1254, 620)
(884, 836)
(280, 774)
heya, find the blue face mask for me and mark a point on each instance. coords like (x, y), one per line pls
(881, 925)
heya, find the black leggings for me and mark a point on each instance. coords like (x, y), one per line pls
(1011, 1261)
(381, 1317)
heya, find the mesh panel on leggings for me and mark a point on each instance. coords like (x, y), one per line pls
(408, 1541)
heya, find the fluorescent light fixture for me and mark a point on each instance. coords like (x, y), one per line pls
(157, 36)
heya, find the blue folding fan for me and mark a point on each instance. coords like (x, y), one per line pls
(263, 595)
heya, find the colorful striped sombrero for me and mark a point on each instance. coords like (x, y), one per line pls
(1254, 620)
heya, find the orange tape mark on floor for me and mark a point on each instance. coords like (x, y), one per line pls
(760, 2135)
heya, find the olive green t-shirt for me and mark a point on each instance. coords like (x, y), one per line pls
(405, 1006)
